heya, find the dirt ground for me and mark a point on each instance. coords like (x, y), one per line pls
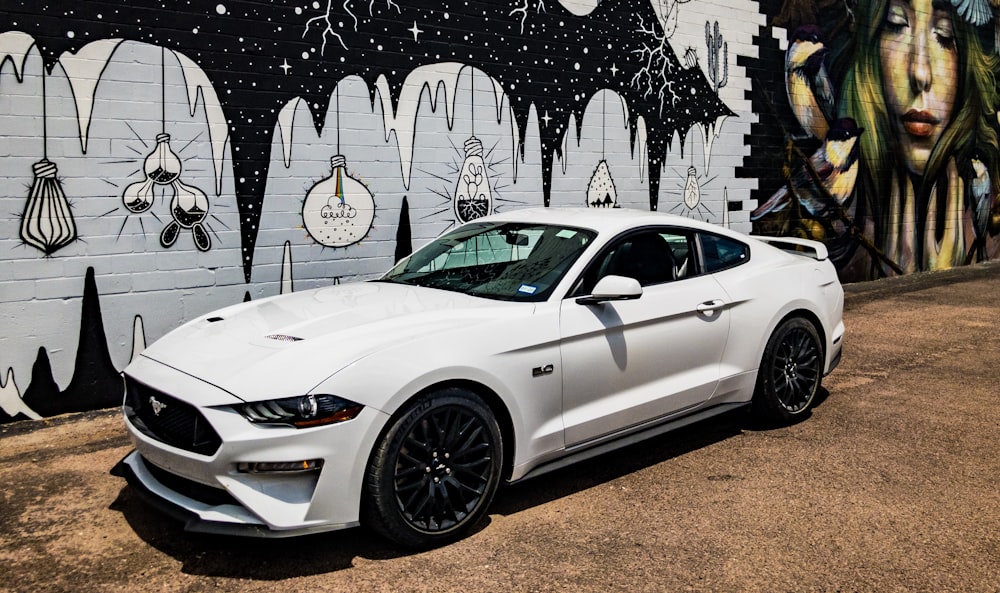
(893, 484)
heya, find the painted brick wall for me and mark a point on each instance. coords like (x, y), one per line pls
(99, 258)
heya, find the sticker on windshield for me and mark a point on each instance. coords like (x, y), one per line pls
(527, 289)
(566, 234)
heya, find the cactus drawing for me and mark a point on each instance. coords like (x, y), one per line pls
(714, 42)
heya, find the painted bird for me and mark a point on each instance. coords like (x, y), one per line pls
(979, 198)
(976, 12)
(834, 164)
(810, 92)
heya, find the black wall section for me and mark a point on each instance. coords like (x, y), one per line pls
(42, 394)
(404, 241)
(96, 383)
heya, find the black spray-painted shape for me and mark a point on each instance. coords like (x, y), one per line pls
(404, 237)
(42, 394)
(96, 383)
(260, 56)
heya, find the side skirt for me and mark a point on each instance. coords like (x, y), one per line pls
(581, 452)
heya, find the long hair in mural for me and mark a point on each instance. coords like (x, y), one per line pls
(891, 148)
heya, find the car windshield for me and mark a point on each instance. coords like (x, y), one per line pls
(496, 260)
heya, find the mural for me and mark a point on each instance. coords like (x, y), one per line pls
(163, 162)
(159, 163)
(890, 132)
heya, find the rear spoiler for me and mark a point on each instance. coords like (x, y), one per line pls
(806, 247)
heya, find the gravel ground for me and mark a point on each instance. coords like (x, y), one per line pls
(891, 485)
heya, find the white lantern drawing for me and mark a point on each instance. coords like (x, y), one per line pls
(339, 210)
(692, 192)
(473, 197)
(47, 223)
(162, 167)
(601, 190)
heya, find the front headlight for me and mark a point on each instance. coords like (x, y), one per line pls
(301, 412)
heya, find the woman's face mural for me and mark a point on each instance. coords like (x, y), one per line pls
(919, 78)
(919, 61)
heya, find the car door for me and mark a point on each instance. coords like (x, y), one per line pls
(629, 362)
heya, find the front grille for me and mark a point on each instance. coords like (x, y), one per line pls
(168, 419)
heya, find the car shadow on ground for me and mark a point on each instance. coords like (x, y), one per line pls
(276, 559)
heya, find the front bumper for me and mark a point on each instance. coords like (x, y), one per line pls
(197, 516)
(204, 488)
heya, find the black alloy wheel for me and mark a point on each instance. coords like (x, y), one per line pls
(790, 372)
(435, 472)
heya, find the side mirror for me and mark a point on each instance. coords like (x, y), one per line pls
(612, 288)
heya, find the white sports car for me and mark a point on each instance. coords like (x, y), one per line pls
(509, 346)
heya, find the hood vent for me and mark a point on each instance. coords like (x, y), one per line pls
(283, 338)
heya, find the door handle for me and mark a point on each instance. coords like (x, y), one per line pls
(709, 307)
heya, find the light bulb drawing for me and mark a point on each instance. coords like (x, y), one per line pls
(188, 207)
(47, 223)
(601, 192)
(339, 210)
(692, 204)
(162, 165)
(473, 197)
(162, 169)
(692, 192)
(601, 189)
(138, 197)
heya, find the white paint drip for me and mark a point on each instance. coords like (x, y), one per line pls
(570, 127)
(138, 338)
(286, 121)
(725, 207)
(515, 140)
(709, 133)
(10, 398)
(286, 269)
(402, 121)
(83, 70)
(218, 131)
(15, 46)
(640, 142)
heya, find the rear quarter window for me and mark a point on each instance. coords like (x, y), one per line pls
(721, 253)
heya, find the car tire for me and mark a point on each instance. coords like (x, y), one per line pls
(790, 373)
(433, 474)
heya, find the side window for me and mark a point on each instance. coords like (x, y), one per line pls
(650, 256)
(721, 252)
(681, 247)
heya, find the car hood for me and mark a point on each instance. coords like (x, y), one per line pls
(287, 345)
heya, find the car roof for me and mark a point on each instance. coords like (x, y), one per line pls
(603, 220)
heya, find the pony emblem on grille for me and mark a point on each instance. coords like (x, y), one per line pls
(157, 405)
